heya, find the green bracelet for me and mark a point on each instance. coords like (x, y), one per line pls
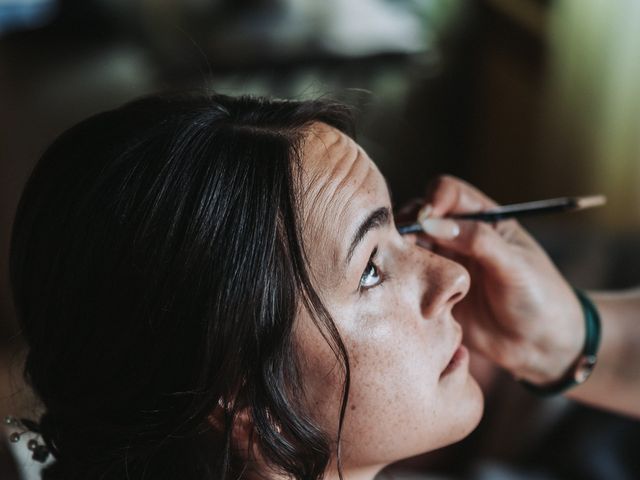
(581, 369)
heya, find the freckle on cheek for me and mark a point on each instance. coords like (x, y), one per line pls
(353, 407)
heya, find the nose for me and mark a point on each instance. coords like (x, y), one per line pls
(444, 283)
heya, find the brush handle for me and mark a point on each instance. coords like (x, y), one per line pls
(504, 213)
(517, 210)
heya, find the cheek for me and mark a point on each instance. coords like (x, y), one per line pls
(322, 375)
(389, 367)
(397, 405)
(394, 397)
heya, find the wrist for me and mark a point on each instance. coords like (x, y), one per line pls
(583, 363)
(544, 357)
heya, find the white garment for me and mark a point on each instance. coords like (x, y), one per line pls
(28, 468)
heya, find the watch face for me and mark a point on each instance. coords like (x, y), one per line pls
(584, 368)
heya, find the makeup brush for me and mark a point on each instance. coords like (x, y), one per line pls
(517, 210)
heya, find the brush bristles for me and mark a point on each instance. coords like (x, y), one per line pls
(591, 201)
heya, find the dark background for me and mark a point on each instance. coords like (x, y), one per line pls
(527, 99)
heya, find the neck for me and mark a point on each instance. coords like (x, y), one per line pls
(367, 472)
(363, 473)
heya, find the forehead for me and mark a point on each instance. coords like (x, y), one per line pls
(341, 186)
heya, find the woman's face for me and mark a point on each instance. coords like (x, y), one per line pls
(392, 302)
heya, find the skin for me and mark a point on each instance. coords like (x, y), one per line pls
(523, 315)
(520, 312)
(394, 316)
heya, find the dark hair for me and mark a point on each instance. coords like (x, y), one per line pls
(157, 266)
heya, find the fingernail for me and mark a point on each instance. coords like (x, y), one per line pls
(441, 228)
(424, 212)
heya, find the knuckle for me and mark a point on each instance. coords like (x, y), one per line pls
(447, 181)
(444, 192)
(439, 183)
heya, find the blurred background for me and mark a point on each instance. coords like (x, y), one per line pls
(527, 99)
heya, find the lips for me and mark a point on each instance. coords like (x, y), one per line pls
(457, 355)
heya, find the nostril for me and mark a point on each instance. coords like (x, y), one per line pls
(460, 286)
(456, 297)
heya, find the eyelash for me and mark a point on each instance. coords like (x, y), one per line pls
(371, 263)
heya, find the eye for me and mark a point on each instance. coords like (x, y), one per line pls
(371, 275)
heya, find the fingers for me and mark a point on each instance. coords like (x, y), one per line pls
(445, 195)
(448, 195)
(476, 240)
(490, 245)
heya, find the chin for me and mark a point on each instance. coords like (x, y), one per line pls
(468, 415)
(463, 421)
(473, 408)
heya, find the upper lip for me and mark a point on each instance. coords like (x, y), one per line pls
(456, 346)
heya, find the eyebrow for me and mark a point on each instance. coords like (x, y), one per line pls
(376, 219)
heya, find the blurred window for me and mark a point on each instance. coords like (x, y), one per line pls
(25, 14)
